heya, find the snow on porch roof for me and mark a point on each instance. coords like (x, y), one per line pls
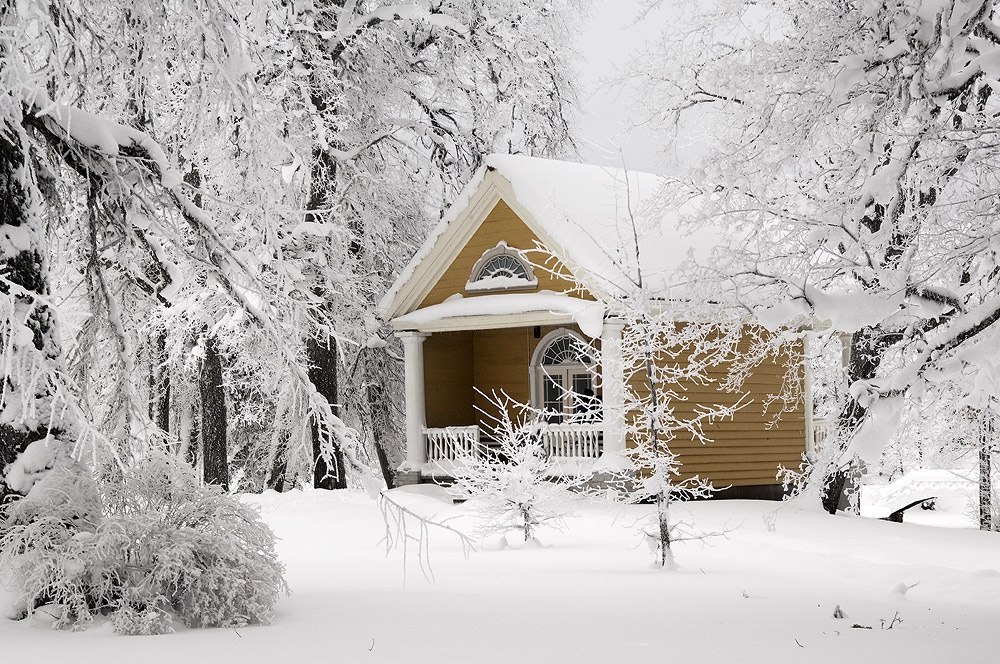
(592, 217)
(589, 315)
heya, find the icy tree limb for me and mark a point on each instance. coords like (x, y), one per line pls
(398, 532)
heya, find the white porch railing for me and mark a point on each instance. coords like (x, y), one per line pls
(572, 439)
(820, 431)
(452, 443)
(921, 484)
(575, 439)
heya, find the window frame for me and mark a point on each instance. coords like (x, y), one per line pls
(566, 370)
(478, 283)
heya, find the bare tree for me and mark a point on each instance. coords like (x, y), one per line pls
(672, 341)
(134, 204)
(514, 485)
(398, 104)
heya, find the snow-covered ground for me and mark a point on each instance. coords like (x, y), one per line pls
(767, 592)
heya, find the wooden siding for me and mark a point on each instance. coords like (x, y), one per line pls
(500, 363)
(501, 224)
(746, 449)
(448, 372)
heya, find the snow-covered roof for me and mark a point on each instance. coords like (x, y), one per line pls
(592, 217)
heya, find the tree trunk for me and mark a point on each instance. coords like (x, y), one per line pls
(986, 431)
(663, 527)
(23, 267)
(376, 374)
(159, 383)
(189, 432)
(275, 479)
(868, 347)
(328, 457)
(213, 418)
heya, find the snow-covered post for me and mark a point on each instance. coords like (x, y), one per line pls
(413, 358)
(807, 396)
(613, 382)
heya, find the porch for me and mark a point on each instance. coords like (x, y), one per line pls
(452, 375)
(452, 372)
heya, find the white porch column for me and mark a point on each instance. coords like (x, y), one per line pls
(807, 396)
(613, 381)
(413, 359)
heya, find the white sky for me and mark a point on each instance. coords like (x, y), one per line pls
(606, 130)
(607, 42)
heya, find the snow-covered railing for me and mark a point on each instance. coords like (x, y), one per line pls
(920, 484)
(572, 439)
(575, 439)
(820, 432)
(452, 443)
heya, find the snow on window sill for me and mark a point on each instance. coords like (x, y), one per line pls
(504, 283)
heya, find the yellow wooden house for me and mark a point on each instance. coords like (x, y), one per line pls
(484, 307)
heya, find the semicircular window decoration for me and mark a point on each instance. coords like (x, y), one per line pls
(566, 349)
(502, 268)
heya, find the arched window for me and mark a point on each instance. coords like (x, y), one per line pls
(565, 349)
(563, 378)
(502, 268)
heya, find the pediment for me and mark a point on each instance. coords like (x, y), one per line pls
(485, 216)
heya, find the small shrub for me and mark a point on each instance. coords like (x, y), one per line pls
(167, 548)
(512, 487)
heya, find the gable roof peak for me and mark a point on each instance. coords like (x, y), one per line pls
(590, 216)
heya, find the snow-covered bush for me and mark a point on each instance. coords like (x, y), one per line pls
(53, 484)
(166, 548)
(43, 534)
(512, 487)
